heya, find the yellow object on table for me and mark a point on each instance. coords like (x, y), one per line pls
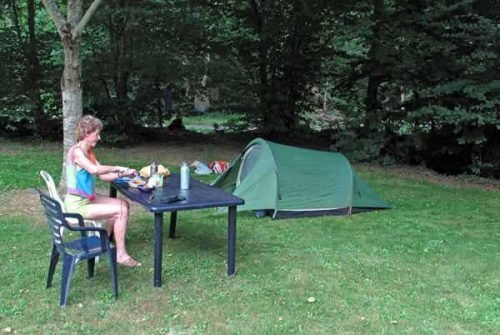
(145, 172)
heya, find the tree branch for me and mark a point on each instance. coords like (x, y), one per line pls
(85, 19)
(55, 15)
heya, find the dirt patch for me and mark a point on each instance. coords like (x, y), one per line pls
(27, 203)
(17, 146)
(173, 155)
(20, 202)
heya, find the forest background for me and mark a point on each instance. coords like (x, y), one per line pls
(406, 81)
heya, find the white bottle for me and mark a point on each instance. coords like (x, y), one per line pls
(184, 176)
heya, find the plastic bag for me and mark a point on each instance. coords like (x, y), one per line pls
(200, 168)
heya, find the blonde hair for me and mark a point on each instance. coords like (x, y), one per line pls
(87, 125)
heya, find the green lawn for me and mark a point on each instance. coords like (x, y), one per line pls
(430, 265)
(204, 122)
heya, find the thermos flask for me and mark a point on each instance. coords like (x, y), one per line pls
(184, 176)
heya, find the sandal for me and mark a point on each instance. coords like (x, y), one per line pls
(130, 262)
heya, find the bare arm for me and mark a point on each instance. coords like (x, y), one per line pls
(105, 172)
(124, 172)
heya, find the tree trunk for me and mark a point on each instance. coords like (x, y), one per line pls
(375, 72)
(31, 78)
(292, 80)
(71, 91)
(373, 105)
(265, 91)
(41, 123)
(120, 21)
(71, 80)
(287, 58)
(70, 29)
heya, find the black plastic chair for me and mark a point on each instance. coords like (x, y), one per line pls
(73, 251)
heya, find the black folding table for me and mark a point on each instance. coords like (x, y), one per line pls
(170, 198)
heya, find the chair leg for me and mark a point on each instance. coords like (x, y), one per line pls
(54, 258)
(91, 266)
(113, 270)
(69, 264)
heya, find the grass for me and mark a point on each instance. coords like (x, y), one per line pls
(204, 122)
(430, 265)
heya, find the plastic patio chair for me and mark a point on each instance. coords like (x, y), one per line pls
(86, 247)
(51, 186)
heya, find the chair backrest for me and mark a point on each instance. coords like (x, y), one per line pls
(55, 219)
(51, 186)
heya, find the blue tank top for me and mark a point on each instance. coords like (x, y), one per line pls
(78, 180)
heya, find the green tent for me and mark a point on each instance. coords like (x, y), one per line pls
(285, 181)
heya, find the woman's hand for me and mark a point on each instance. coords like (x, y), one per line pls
(126, 172)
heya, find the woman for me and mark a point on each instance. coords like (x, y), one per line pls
(81, 169)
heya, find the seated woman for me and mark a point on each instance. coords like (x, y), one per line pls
(81, 169)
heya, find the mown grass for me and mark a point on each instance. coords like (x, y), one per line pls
(209, 118)
(430, 265)
(204, 122)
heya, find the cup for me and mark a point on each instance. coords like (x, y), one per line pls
(159, 180)
(155, 180)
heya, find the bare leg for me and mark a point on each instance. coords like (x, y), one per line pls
(116, 211)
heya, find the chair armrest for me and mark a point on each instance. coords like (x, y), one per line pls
(76, 216)
(103, 233)
(81, 226)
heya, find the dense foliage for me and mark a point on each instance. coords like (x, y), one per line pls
(395, 80)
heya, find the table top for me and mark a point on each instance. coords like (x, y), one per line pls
(198, 196)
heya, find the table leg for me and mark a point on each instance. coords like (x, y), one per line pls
(173, 223)
(231, 240)
(112, 191)
(158, 249)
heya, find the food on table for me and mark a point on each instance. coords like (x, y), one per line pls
(136, 182)
(162, 170)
